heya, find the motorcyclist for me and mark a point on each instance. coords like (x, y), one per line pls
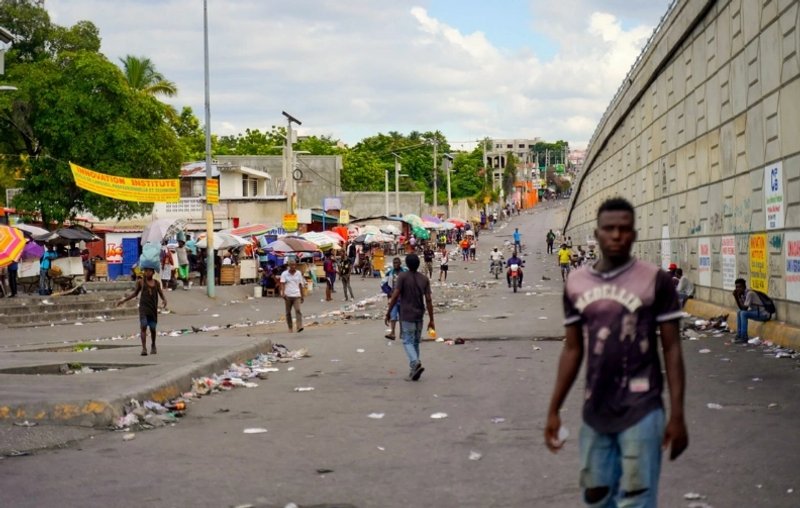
(495, 257)
(514, 260)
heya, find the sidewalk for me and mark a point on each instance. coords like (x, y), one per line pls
(778, 332)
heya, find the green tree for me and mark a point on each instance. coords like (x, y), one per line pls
(141, 74)
(509, 173)
(78, 107)
(191, 135)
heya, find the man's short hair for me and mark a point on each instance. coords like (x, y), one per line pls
(616, 205)
(412, 262)
(740, 281)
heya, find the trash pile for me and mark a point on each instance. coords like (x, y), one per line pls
(150, 414)
(695, 328)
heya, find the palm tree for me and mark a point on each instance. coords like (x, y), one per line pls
(142, 75)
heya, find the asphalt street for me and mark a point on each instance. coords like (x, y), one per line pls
(329, 447)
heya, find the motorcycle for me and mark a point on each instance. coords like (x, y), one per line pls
(514, 274)
(497, 268)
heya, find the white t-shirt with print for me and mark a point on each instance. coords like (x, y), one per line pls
(292, 283)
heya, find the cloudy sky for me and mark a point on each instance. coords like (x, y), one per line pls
(353, 68)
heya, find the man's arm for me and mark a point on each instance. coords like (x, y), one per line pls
(392, 301)
(676, 436)
(429, 305)
(738, 299)
(569, 365)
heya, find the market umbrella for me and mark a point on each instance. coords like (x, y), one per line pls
(223, 241)
(250, 230)
(63, 236)
(458, 222)
(370, 229)
(431, 218)
(159, 229)
(32, 250)
(12, 241)
(334, 236)
(391, 229)
(292, 244)
(420, 232)
(324, 242)
(31, 230)
(469, 232)
(342, 231)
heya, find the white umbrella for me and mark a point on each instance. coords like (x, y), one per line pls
(469, 232)
(390, 229)
(156, 231)
(224, 241)
(324, 242)
(32, 230)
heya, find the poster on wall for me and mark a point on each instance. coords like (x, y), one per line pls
(792, 275)
(728, 251)
(704, 261)
(773, 195)
(666, 248)
(759, 278)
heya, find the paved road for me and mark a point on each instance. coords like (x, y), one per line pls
(321, 447)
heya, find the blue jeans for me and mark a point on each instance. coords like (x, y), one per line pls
(741, 321)
(394, 314)
(624, 462)
(410, 332)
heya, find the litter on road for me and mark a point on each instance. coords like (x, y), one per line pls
(438, 416)
(255, 430)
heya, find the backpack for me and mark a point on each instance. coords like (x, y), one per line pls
(769, 305)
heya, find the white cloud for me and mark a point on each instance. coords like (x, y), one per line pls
(352, 69)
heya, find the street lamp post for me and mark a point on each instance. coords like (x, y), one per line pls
(447, 164)
(435, 178)
(386, 191)
(209, 175)
(396, 185)
(288, 172)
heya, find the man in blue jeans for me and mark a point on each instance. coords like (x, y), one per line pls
(750, 307)
(517, 240)
(414, 290)
(615, 308)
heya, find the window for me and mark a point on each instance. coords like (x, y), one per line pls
(522, 145)
(249, 186)
(510, 145)
(193, 187)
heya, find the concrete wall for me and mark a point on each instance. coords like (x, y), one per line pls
(369, 204)
(710, 109)
(321, 174)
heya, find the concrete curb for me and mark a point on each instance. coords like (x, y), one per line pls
(778, 332)
(102, 412)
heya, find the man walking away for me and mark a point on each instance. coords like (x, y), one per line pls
(750, 306)
(292, 284)
(564, 260)
(414, 290)
(517, 240)
(345, 268)
(551, 238)
(616, 308)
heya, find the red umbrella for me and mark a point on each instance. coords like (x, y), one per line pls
(458, 222)
(249, 230)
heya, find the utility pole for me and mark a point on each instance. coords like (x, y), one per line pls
(209, 174)
(386, 190)
(447, 164)
(288, 162)
(396, 185)
(435, 177)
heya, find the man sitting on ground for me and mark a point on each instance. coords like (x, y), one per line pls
(750, 307)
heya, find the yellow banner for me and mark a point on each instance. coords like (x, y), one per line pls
(141, 190)
(759, 272)
(290, 222)
(344, 217)
(212, 191)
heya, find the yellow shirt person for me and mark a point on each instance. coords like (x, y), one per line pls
(564, 256)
